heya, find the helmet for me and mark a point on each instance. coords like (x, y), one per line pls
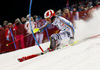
(49, 14)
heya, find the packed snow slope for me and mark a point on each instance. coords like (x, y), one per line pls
(83, 56)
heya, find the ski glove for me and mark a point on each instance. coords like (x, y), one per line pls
(36, 30)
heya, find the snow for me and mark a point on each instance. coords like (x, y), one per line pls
(83, 56)
(88, 28)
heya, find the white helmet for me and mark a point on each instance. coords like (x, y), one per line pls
(49, 14)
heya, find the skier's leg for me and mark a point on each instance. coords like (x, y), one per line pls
(55, 40)
(71, 36)
(52, 43)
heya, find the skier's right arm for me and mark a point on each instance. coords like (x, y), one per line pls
(45, 26)
(41, 29)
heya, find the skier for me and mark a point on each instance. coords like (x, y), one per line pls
(66, 29)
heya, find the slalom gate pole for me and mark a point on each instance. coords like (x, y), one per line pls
(31, 26)
(18, 39)
(13, 39)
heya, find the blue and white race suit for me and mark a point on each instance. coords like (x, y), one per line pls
(66, 28)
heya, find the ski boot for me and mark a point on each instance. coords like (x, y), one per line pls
(53, 45)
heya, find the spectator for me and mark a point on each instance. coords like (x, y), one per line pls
(5, 23)
(71, 8)
(35, 17)
(32, 19)
(75, 14)
(98, 2)
(79, 8)
(59, 12)
(8, 32)
(39, 36)
(75, 6)
(27, 25)
(23, 19)
(19, 33)
(67, 15)
(2, 37)
(97, 5)
(89, 5)
(28, 29)
(80, 4)
(9, 37)
(27, 18)
(83, 14)
(82, 8)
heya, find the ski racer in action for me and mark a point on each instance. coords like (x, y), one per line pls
(66, 29)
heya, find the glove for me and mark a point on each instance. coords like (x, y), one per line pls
(7, 39)
(36, 30)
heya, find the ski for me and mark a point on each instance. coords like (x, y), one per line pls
(36, 55)
(29, 57)
(79, 41)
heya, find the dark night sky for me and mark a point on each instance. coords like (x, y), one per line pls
(12, 9)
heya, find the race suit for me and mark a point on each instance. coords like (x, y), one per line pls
(66, 29)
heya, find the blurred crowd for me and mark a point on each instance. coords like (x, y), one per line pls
(20, 29)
